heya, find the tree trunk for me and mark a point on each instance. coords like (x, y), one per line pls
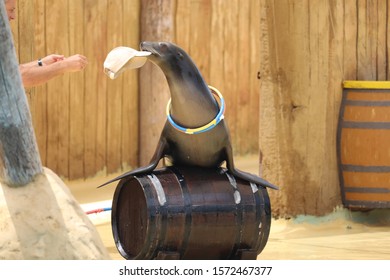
(19, 157)
(157, 24)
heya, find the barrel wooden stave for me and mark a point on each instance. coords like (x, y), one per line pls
(195, 213)
(364, 148)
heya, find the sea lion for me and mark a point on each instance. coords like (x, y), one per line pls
(195, 133)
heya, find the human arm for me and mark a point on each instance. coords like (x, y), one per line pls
(52, 66)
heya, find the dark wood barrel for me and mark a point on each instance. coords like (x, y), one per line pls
(190, 213)
(363, 145)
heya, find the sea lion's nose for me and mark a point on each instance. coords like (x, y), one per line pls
(141, 45)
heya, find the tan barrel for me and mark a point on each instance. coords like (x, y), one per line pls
(363, 144)
(190, 213)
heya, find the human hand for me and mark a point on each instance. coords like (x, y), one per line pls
(75, 63)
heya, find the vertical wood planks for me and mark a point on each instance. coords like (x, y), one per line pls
(114, 88)
(350, 23)
(294, 100)
(246, 123)
(57, 157)
(199, 47)
(25, 17)
(95, 113)
(382, 28)
(38, 95)
(26, 39)
(130, 99)
(308, 49)
(303, 50)
(86, 122)
(230, 69)
(183, 24)
(333, 100)
(218, 35)
(387, 10)
(157, 24)
(254, 78)
(83, 124)
(217, 47)
(371, 38)
(76, 93)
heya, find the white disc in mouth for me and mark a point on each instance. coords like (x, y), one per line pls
(122, 58)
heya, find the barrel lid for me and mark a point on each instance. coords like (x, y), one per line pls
(367, 84)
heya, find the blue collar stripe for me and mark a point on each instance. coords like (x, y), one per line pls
(203, 128)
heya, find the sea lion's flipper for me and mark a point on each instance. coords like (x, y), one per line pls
(143, 169)
(252, 178)
(244, 175)
(158, 154)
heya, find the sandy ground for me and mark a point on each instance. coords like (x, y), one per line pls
(341, 235)
(334, 237)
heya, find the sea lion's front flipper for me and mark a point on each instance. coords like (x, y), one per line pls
(158, 154)
(244, 175)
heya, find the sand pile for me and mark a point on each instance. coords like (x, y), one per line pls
(42, 220)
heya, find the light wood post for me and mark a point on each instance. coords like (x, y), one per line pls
(157, 24)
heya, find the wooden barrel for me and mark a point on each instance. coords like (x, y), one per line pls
(363, 145)
(190, 213)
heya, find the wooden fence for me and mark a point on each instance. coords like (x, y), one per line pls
(296, 53)
(85, 122)
(308, 49)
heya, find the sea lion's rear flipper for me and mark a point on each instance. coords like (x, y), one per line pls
(158, 154)
(244, 175)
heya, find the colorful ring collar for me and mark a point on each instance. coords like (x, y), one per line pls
(203, 128)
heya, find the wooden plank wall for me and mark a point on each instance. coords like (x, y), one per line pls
(223, 39)
(307, 49)
(86, 123)
(297, 52)
(157, 24)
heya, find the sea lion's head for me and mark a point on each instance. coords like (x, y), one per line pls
(170, 57)
(186, 83)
